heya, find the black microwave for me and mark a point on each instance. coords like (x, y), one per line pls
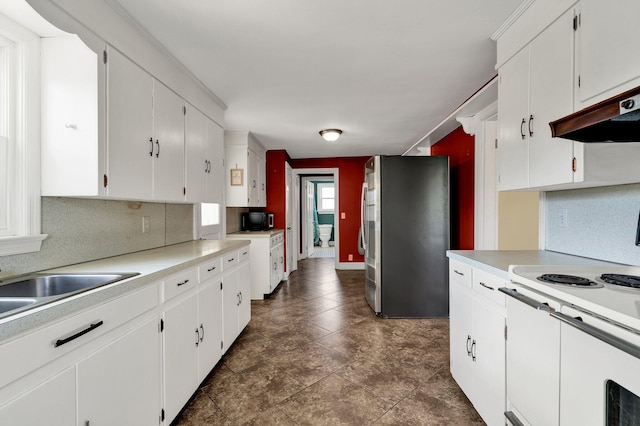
(257, 221)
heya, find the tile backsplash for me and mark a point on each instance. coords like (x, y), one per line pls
(600, 223)
(81, 230)
(234, 218)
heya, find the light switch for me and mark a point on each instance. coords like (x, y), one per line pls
(343, 215)
(146, 226)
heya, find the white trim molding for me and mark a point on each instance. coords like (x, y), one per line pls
(20, 245)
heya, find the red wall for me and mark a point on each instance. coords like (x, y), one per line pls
(460, 148)
(351, 176)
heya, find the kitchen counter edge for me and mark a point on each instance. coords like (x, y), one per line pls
(153, 265)
(497, 262)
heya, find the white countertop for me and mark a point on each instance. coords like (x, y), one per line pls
(255, 234)
(152, 265)
(497, 261)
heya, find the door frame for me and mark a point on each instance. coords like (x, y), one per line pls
(298, 175)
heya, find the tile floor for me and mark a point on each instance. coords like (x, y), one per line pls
(315, 354)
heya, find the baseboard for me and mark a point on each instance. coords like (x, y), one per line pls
(350, 266)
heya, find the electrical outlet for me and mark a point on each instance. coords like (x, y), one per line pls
(350, 258)
(146, 226)
(562, 218)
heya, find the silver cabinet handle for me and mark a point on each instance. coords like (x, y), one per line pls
(486, 286)
(513, 419)
(610, 339)
(468, 346)
(526, 299)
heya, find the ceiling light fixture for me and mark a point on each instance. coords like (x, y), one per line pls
(330, 135)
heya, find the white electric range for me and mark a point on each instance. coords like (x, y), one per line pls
(573, 345)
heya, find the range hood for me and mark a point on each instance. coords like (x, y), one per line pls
(616, 119)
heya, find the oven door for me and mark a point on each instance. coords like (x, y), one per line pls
(533, 358)
(599, 372)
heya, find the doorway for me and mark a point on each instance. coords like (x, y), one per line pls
(318, 206)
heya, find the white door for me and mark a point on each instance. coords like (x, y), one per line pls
(50, 403)
(196, 160)
(180, 355)
(230, 307)
(309, 210)
(215, 155)
(129, 129)
(168, 139)
(120, 384)
(290, 245)
(209, 327)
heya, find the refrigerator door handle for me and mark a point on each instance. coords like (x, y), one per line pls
(362, 207)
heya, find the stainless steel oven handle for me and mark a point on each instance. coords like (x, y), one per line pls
(610, 339)
(525, 299)
(513, 419)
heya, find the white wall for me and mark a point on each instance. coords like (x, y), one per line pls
(601, 223)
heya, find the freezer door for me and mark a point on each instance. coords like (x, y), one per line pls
(371, 234)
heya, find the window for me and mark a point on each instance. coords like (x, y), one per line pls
(19, 139)
(326, 197)
(208, 216)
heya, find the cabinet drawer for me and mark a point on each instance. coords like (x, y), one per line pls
(230, 259)
(209, 269)
(180, 283)
(460, 272)
(42, 346)
(487, 285)
(243, 254)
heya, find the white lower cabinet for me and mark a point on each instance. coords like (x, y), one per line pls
(267, 260)
(134, 360)
(120, 383)
(477, 339)
(180, 345)
(54, 398)
(236, 295)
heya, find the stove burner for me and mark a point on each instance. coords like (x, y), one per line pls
(622, 280)
(567, 280)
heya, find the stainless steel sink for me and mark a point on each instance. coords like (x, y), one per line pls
(28, 291)
(45, 285)
(7, 305)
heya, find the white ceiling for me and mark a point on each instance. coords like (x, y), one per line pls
(385, 72)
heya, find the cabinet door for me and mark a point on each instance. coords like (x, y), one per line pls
(210, 327)
(551, 97)
(52, 403)
(168, 139)
(254, 184)
(513, 136)
(196, 160)
(489, 368)
(215, 155)
(120, 383)
(244, 289)
(607, 47)
(461, 339)
(230, 307)
(237, 194)
(262, 178)
(180, 355)
(129, 129)
(274, 255)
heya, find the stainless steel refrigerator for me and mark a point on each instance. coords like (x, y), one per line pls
(405, 226)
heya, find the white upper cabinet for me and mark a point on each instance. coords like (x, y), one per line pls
(111, 130)
(204, 158)
(535, 87)
(607, 56)
(145, 134)
(246, 170)
(539, 84)
(130, 129)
